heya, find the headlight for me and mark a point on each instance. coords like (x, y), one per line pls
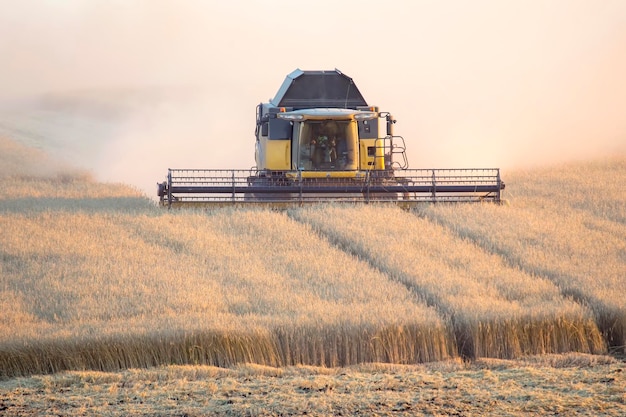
(365, 115)
(290, 116)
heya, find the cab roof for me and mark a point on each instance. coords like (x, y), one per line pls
(318, 89)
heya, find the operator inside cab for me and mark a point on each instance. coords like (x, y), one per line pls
(326, 146)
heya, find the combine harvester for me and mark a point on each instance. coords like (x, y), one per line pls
(319, 141)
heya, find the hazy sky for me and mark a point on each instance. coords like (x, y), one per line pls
(486, 82)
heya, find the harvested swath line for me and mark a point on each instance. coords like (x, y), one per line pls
(497, 311)
(581, 253)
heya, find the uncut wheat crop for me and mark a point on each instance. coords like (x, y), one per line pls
(496, 310)
(566, 224)
(88, 285)
(88, 278)
(96, 276)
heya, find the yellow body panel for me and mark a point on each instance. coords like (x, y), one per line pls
(277, 155)
(371, 154)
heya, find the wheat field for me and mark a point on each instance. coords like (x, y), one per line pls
(567, 224)
(96, 276)
(110, 305)
(495, 310)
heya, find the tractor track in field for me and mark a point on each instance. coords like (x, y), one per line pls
(432, 300)
(613, 334)
(470, 335)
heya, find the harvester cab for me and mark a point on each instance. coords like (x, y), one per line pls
(319, 121)
(318, 140)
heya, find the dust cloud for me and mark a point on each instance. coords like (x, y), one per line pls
(127, 89)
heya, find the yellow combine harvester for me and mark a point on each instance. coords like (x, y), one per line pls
(318, 141)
